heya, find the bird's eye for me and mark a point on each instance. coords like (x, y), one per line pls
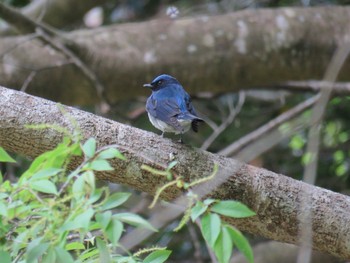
(159, 82)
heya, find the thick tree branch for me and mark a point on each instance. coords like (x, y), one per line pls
(252, 48)
(275, 197)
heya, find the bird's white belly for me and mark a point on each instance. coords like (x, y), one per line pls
(164, 127)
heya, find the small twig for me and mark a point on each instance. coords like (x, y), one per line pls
(28, 80)
(338, 88)
(196, 243)
(268, 127)
(233, 113)
(318, 111)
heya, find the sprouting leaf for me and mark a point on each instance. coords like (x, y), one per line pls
(211, 227)
(115, 200)
(232, 209)
(4, 157)
(89, 147)
(158, 256)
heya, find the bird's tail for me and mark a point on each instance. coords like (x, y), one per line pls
(195, 124)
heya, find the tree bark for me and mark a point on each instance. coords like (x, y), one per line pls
(252, 48)
(274, 197)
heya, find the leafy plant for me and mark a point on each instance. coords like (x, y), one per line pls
(220, 237)
(55, 215)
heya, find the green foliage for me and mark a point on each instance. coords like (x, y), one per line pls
(55, 215)
(220, 237)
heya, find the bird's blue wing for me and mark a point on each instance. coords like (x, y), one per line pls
(165, 110)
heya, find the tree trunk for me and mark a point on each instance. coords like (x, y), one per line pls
(252, 48)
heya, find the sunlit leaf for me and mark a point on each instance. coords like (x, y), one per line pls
(114, 231)
(211, 227)
(232, 209)
(100, 165)
(4, 157)
(89, 147)
(74, 246)
(241, 243)
(198, 209)
(111, 153)
(115, 200)
(134, 220)
(158, 256)
(223, 246)
(44, 186)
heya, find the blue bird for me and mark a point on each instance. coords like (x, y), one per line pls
(169, 107)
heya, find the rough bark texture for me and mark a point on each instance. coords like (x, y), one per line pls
(253, 48)
(274, 197)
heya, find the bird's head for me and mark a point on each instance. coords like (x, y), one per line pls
(161, 82)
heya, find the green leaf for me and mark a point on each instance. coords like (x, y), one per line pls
(5, 257)
(209, 201)
(95, 196)
(114, 231)
(198, 210)
(89, 147)
(78, 186)
(158, 256)
(83, 220)
(134, 220)
(223, 246)
(74, 246)
(4, 157)
(104, 218)
(50, 256)
(3, 209)
(62, 256)
(111, 153)
(211, 227)
(44, 186)
(105, 256)
(46, 173)
(241, 243)
(36, 251)
(232, 209)
(89, 178)
(171, 165)
(115, 200)
(100, 165)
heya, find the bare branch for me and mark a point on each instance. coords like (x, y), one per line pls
(229, 119)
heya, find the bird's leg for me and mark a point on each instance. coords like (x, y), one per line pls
(162, 134)
(180, 140)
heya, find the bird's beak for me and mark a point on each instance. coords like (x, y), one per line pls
(147, 86)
